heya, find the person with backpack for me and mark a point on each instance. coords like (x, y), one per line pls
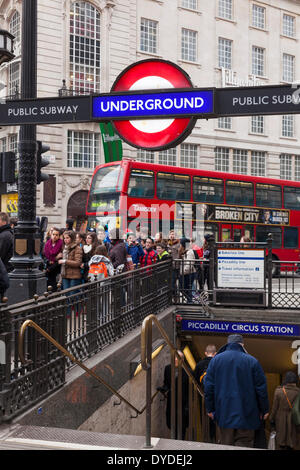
(101, 269)
(287, 435)
(208, 425)
(100, 266)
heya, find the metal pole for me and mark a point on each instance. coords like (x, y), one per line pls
(26, 279)
(148, 386)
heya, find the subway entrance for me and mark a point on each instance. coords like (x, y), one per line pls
(276, 354)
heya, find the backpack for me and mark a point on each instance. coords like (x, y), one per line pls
(100, 268)
(98, 271)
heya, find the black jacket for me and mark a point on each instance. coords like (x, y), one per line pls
(6, 243)
(4, 279)
(201, 368)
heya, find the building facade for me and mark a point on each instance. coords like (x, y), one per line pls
(218, 43)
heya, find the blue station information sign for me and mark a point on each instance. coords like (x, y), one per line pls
(153, 104)
(247, 328)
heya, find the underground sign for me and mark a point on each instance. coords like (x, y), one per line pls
(153, 134)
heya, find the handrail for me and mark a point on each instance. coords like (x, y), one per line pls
(146, 346)
(31, 323)
(145, 365)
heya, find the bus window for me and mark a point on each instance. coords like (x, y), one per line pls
(239, 192)
(108, 179)
(105, 189)
(174, 187)
(262, 233)
(291, 197)
(268, 195)
(141, 183)
(208, 190)
(290, 237)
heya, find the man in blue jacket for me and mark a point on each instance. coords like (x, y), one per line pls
(134, 249)
(236, 394)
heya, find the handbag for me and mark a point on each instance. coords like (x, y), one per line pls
(295, 408)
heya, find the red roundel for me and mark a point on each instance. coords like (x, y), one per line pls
(153, 134)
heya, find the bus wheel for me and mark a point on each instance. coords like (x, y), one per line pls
(275, 267)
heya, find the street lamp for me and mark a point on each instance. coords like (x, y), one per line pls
(6, 46)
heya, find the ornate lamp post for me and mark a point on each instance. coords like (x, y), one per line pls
(26, 279)
(6, 46)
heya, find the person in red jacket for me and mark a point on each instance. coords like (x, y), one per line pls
(150, 255)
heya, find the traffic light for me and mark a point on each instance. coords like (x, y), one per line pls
(41, 162)
(8, 167)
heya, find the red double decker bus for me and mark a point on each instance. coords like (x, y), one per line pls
(158, 198)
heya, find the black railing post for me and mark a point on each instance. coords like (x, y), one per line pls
(269, 268)
(211, 269)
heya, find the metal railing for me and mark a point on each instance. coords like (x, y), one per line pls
(176, 408)
(84, 320)
(88, 318)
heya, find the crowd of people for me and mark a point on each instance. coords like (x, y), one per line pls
(77, 257)
(72, 258)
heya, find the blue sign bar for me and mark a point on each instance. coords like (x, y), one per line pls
(153, 104)
(227, 327)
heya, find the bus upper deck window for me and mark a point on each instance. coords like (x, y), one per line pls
(208, 190)
(108, 179)
(173, 186)
(268, 195)
(239, 192)
(141, 183)
(291, 197)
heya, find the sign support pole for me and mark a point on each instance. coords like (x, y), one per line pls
(26, 279)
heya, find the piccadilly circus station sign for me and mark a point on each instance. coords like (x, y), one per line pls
(153, 105)
(170, 93)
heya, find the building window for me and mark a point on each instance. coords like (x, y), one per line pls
(225, 123)
(149, 30)
(188, 155)
(288, 68)
(258, 16)
(3, 143)
(83, 149)
(84, 48)
(288, 26)
(285, 166)
(258, 164)
(287, 125)
(191, 4)
(167, 157)
(297, 168)
(257, 124)
(15, 27)
(240, 161)
(14, 79)
(225, 9)
(189, 45)
(221, 159)
(145, 156)
(258, 61)
(225, 53)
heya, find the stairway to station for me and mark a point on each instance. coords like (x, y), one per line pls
(18, 437)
